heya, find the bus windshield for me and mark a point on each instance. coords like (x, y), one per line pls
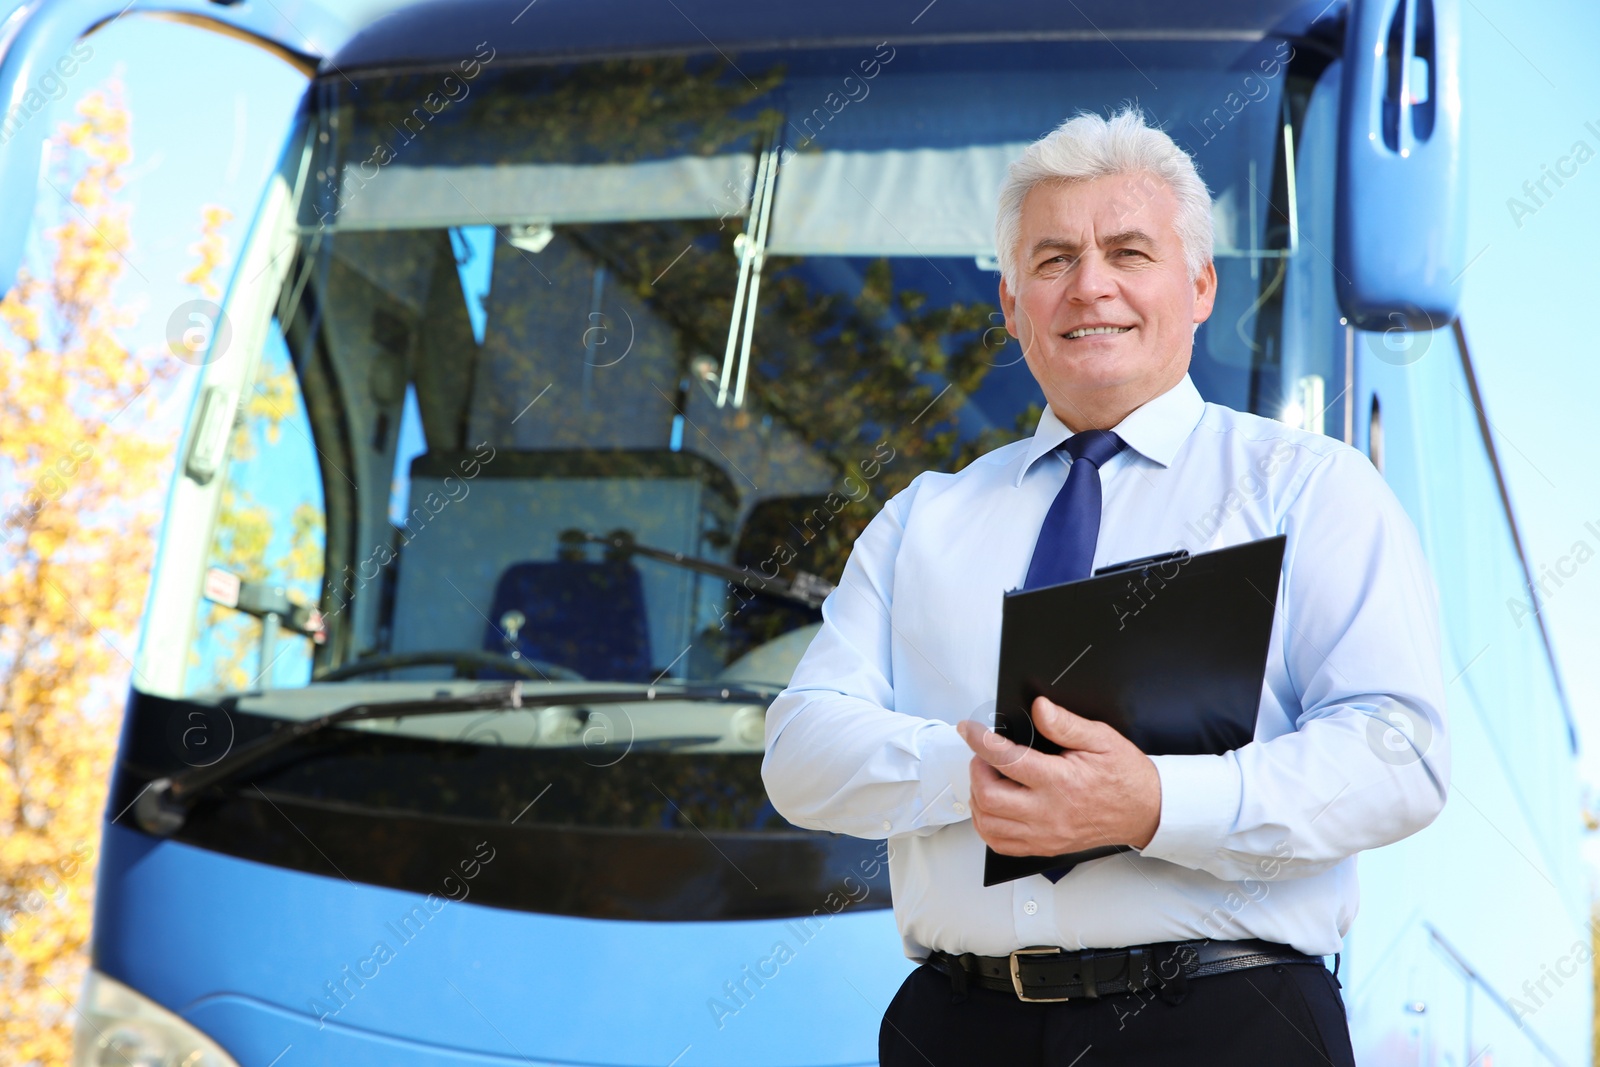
(591, 373)
(602, 368)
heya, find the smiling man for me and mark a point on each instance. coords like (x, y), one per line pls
(1205, 943)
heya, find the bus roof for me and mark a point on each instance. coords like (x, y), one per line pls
(444, 31)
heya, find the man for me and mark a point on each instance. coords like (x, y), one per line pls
(1204, 943)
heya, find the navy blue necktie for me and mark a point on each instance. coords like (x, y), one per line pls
(1064, 551)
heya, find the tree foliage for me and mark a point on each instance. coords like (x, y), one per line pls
(81, 465)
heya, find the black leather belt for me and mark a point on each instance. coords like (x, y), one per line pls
(1050, 974)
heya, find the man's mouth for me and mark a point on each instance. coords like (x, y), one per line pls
(1089, 331)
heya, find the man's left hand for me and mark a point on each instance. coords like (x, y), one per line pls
(1100, 790)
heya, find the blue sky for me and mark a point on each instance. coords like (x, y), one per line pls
(1531, 93)
(209, 115)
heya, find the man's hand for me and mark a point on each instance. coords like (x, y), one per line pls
(1101, 790)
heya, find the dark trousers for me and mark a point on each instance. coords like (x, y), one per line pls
(1282, 1014)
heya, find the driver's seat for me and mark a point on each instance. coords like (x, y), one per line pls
(589, 616)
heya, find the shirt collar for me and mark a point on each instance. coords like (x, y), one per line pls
(1156, 429)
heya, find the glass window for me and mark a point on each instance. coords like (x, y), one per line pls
(257, 612)
(720, 318)
(591, 376)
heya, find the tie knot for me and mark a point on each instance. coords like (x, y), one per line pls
(1096, 446)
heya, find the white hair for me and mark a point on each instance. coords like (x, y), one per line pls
(1086, 147)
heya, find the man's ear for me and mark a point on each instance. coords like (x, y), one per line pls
(1205, 292)
(1008, 307)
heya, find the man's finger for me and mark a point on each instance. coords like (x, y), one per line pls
(991, 747)
(1011, 759)
(989, 786)
(1068, 730)
(1005, 836)
(1018, 804)
(989, 822)
(997, 795)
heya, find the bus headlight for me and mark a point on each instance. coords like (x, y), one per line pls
(117, 1026)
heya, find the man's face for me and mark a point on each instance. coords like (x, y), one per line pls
(1104, 254)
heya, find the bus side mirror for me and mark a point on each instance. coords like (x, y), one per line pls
(1401, 203)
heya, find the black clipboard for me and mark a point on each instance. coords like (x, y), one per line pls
(1169, 650)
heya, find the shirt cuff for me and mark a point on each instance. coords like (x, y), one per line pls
(1200, 797)
(946, 778)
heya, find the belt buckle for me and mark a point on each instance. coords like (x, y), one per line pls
(1016, 972)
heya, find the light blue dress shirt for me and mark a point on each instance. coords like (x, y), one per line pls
(1349, 752)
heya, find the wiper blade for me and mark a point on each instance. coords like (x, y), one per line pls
(752, 256)
(163, 806)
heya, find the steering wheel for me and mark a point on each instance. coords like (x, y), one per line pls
(466, 661)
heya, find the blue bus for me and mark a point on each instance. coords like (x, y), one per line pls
(569, 350)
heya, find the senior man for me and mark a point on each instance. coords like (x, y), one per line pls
(1204, 943)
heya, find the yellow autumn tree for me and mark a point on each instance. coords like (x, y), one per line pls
(79, 474)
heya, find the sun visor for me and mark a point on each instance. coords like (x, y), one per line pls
(896, 202)
(687, 187)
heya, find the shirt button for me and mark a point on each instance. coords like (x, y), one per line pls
(1029, 908)
(886, 824)
(961, 809)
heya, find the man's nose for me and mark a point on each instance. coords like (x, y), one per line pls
(1091, 279)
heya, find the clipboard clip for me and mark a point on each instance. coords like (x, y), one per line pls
(1144, 563)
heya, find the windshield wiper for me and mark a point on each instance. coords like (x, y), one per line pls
(164, 804)
(752, 256)
(808, 589)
